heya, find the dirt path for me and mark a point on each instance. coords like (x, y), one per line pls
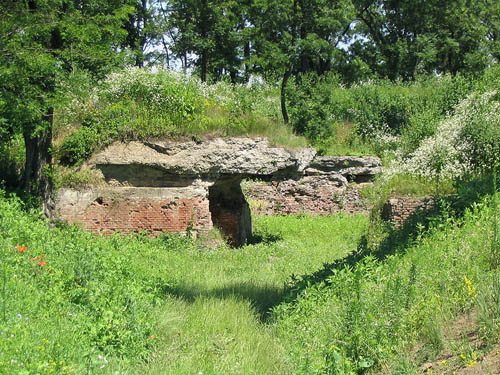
(465, 353)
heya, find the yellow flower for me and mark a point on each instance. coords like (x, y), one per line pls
(471, 290)
(471, 363)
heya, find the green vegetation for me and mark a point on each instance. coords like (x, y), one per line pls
(42, 44)
(141, 104)
(311, 295)
(386, 306)
(51, 46)
(382, 117)
(70, 299)
(413, 82)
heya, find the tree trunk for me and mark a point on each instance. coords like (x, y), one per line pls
(246, 54)
(283, 95)
(142, 16)
(203, 66)
(37, 181)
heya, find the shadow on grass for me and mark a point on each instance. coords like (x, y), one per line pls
(398, 240)
(264, 237)
(264, 298)
(261, 297)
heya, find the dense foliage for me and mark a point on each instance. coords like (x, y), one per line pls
(47, 45)
(377, 109)
(358, 39)
(41, 44)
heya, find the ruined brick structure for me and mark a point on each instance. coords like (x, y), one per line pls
(398, 210)
(304, 196)
(191, 186)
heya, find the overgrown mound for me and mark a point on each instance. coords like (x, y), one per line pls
(144, 104)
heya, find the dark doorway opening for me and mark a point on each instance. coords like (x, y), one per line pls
(230, 211)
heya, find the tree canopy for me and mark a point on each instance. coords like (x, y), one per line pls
(41, 44)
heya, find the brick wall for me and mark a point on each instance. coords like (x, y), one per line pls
(108, 213)
(398, 210)
(317, 197)
(230, 221)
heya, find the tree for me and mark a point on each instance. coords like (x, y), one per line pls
(146, 30)
(399, 39)
(298, 36)
(41, 43)
(212, 33)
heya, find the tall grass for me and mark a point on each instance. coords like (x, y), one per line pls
(77, 304)
(142, 104)
(376, 311)
(309, 296)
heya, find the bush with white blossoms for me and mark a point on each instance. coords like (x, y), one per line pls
(464, 142)
(173, 94)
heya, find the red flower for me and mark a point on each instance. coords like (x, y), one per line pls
(42, 256)
(152, 337)
(21, 249)
(42, 263)
(37, 259)
(32, 259)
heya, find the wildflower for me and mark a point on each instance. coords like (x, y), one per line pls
(152, 337)
(42, 256)
(42, 263)
(37, 259)
(32, 259)
(471, 290)
(21, 249)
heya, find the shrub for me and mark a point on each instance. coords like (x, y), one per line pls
(78, 146)
(310, 105)
(465, 142)
(386, 114)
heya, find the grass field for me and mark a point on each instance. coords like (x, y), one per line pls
(312, 295)
(167, 304)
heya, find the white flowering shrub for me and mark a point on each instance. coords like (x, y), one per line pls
(465, 142)
(384, 115)
(162, 90)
